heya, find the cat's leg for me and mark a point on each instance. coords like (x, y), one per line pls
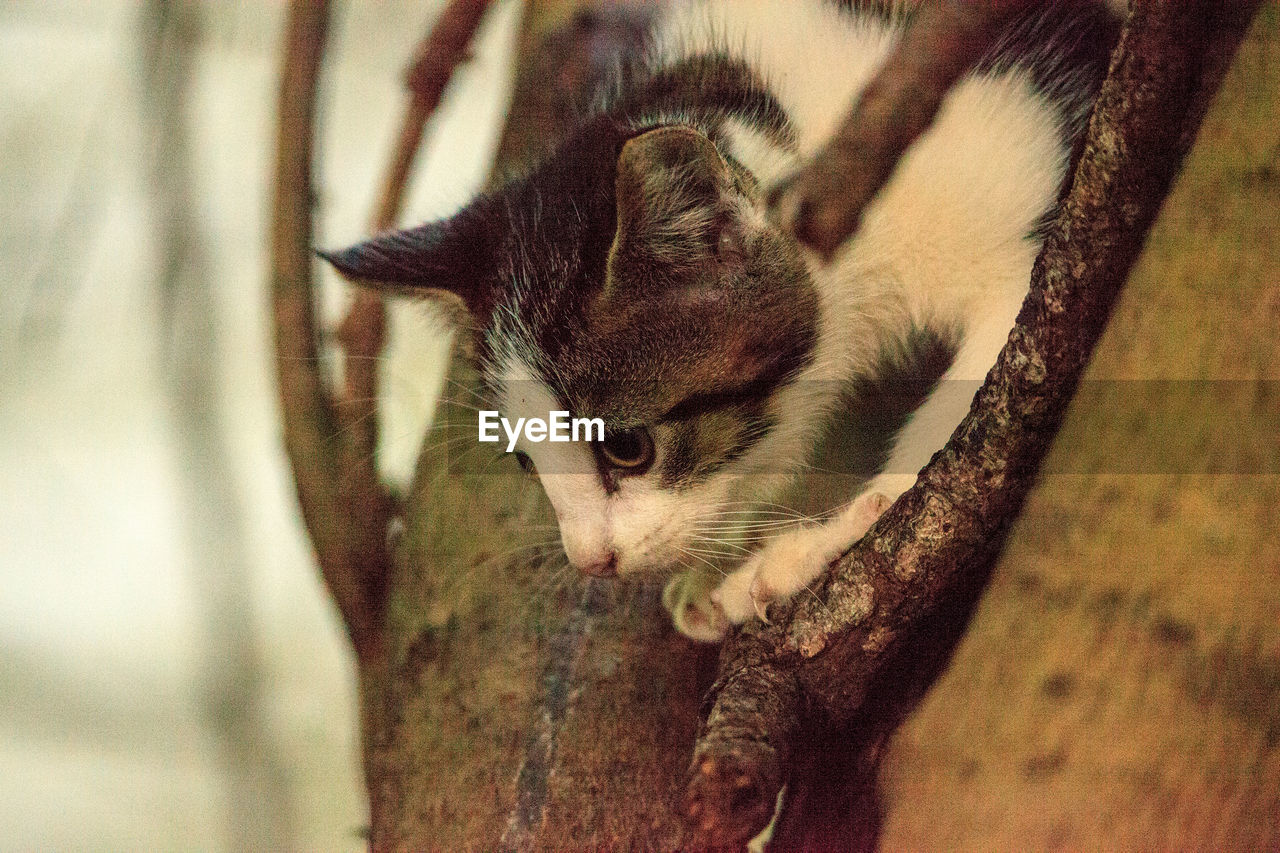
(929, 427)
(790, 562)
(782, 568)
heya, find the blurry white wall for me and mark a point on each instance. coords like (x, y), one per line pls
(172, 674)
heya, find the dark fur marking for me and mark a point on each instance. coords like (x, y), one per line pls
(1066, 40)
(712, 86)
(699, 449)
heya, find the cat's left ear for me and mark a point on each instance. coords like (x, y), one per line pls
(670, 187)
(449, 256)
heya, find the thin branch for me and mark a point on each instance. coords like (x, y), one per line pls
(443, 49)
(310, 419)
(330, 441)
(363, 329)
(935, 544)
(943, 41)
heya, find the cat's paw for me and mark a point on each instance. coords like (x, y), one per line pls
(688, 598)
(792, 561)
(787, 565)
(733, 596)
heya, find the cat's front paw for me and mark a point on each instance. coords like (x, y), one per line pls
(689, 600)
(792, 561)
(787, 565)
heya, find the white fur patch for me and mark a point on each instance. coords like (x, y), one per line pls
(944, 245)
(567, 470)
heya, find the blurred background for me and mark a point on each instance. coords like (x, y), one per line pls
(172, 674)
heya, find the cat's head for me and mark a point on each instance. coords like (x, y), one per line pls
(634, 278)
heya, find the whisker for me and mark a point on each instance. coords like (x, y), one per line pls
(729, 524)
(479, 398)
(741, 550)
(705, 561)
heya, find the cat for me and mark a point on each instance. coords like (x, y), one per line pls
(636, 275)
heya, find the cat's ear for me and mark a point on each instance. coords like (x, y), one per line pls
(447, 256)
(669, 186)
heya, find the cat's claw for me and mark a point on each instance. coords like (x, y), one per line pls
(790, 562)
(761, 595)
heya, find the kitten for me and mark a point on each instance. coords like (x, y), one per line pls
(636, 276)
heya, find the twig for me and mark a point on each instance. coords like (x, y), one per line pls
(330, 442)
(935, 544)
(363, 329)
(434, 60)
(310, 419)
(943, 41)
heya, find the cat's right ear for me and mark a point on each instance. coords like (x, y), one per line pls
(439, 257)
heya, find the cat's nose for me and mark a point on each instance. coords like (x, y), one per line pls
(605, 567)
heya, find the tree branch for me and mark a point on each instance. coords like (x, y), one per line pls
(439, 53)
(310, 419)
(330, 439)
(743, 751)
(943, 41)
(935, 545)
(363, 329)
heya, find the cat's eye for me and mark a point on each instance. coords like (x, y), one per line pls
(628, 450)
(525, 462)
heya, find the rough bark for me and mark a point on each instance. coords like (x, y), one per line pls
(1117, 688)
